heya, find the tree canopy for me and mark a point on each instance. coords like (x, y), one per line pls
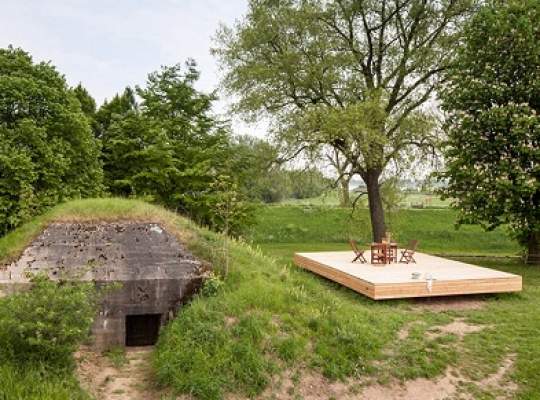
(493, 105)
(169, 146)
(47, 150)
(353, 75)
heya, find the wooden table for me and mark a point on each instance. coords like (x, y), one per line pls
(383, 253)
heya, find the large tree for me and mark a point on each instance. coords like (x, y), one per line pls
(351, 74)
(493, 105)
(119, 106)
(47, 150)
(170, 147)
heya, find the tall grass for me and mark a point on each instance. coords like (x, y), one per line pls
(266, 317)
(33, 382)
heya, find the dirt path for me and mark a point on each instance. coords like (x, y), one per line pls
(133, 380)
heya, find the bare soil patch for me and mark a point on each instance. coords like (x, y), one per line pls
(132, 381)
(450, 386)
(500, 381)
(458, 327)
(308, 386)
(417, 389)
(450, 303)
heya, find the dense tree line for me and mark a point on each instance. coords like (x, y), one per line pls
(159, 141)
(265, 179)
(47, 150)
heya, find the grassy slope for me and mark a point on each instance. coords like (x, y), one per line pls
(18, 383)
(305, 228)
(270, 316)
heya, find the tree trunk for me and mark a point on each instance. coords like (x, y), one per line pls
(376, 210)
(533, 251)
(344, 195)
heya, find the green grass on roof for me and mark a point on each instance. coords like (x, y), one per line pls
(90, 210)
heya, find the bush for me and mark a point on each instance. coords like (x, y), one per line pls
(46, 323)
(47, 151)
(212, 286)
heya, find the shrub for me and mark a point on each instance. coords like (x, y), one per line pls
(47, 322)
(212, 286)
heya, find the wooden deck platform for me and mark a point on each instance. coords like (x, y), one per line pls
(394, 281)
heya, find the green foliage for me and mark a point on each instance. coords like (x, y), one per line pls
(170, 149)
(254, 165)
(212, 285)
(47, 151)
(137, 157)
(392, 195)
(88, 104)
(38, 383)
(261, 176)
(46, 323)
(348, 75)
(493, 101)
(118, 107)
(307, 183)
(228, 212)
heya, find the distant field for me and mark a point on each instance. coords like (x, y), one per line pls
(311, 227)
(410, 200)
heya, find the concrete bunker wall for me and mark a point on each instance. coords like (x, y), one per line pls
(152, 273)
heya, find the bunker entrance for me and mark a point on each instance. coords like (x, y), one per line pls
(142, 330)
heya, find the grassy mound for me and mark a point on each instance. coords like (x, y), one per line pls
(263, 317)
(45, 377)
(89, 210)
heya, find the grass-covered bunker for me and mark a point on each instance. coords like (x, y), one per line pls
(148, 271)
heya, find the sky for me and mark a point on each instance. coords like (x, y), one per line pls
(110, 44)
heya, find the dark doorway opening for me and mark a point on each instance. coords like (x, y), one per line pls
(142, 330)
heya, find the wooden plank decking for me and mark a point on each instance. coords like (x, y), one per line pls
(395, 281)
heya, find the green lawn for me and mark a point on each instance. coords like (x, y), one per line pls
(310, 227)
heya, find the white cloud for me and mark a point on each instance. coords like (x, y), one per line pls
(108, 45)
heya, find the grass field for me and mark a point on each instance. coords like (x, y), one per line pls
(507, 320)
(312, 228)
(267, 318)
(410, 200)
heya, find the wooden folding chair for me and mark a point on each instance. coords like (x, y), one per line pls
(407, 255)
(358, 254)
(378, 253)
